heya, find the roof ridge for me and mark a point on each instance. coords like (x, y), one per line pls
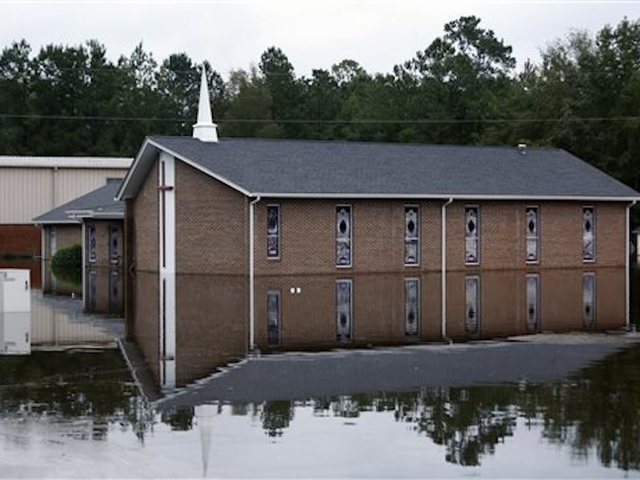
(365, 142)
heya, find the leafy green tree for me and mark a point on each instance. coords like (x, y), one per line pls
(457, 78)
(15, 75)
(249, 113)
(285, 91)
(322, 103)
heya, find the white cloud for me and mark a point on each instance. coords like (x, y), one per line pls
(313, 33)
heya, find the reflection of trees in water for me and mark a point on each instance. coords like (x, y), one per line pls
(92, 389)
(598, 409)
(595, 410)
(179, 419)
(468, 423)
(276, 416)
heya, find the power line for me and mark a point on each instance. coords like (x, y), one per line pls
(329, 122)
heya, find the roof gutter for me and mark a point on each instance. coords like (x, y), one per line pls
(446, 196)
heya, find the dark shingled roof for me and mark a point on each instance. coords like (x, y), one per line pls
(100, 201)
(290, 167)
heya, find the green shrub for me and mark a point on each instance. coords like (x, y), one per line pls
(67, 264)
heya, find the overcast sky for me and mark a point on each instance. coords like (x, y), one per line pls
(313, 33)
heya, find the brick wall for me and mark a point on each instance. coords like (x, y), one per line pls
(308, 236)
(145, 211)
(211, 238)
(146, 325)
(308, 319)
(503, 233)
(211, 225)
(212, 323)
(21, 240)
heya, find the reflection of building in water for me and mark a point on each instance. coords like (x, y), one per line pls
(104, 290)
(388, 309)
(371, 310)
(451, 217)
(60, 323)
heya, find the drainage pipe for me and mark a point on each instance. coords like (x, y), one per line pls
(443, 257)
(626, 265)
(252, 329)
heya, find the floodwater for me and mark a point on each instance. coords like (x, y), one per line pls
(548, 406)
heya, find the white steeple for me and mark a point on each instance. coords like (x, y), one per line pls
(205, 130)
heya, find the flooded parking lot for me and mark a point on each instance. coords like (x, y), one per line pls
(80, 414)
(535, 406)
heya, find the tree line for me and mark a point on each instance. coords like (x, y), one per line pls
(463, 88)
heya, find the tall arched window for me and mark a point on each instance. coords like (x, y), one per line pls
(588, 234)
(343, 236)
(273, 231)
(472, 235)
(411, 235)
(533, 239)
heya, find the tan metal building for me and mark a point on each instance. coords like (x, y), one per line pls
(30, 186)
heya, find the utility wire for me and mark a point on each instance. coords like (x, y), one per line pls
(365, 121)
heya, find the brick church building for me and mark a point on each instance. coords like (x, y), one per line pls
(238, 244)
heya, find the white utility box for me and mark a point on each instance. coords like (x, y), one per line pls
(15, 333)
(15, 291)
(15, 312)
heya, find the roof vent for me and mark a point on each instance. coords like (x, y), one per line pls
(205, 130)
(522, 148)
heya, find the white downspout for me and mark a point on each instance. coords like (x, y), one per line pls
(84, 265)
(443, 257)
(43, 256)
(626, 267)
(252, 313)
